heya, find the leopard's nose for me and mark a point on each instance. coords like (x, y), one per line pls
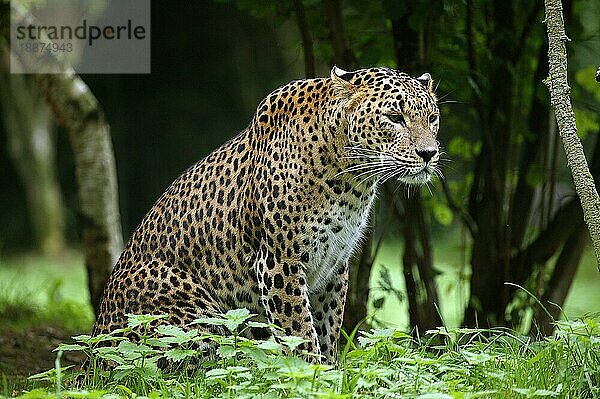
(427, 153)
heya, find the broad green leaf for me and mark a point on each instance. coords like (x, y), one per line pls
(70, 347)
(269, 345)
(136, 320)
(292, 341)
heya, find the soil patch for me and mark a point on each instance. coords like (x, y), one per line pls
(27, 352)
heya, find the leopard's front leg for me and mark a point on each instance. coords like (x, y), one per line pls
(328, 311)
(284, 296)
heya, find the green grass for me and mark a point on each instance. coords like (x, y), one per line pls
(455, 363)
(36, 290)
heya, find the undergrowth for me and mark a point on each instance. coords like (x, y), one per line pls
(445, 363)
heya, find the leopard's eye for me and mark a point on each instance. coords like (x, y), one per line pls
(433, 118)
(397, 118)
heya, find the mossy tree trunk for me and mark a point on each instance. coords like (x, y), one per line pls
(561, 101)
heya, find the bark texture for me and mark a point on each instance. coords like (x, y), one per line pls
(559, 96)
(77, 110)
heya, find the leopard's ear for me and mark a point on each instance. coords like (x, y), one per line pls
(339, 74)
(341, 81)
(426, 81)
(343, 88)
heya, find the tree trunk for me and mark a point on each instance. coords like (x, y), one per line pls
(491, 243)
(358, 286)
(89, 133)
(31, 145)
(573, 229)
(78, 111)
(343, 54)
(307, 42)
(535, 143)
(561, 280)
(417, 265)
(561, 101)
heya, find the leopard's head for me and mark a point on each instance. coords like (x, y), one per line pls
(392, 122)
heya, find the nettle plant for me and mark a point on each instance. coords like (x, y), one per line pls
(164, 361)
(144, 354)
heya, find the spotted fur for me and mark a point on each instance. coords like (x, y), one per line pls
(269, 220)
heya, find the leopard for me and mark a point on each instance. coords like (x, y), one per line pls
(270, 220)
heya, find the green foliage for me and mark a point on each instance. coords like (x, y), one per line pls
(442, 213)
(468, 363)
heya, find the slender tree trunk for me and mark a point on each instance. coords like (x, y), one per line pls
(31, 145)
(561, 101)
(490, 253)
(78, 111)
(89, 133)
(561, 280)
(556, 289)
(532, 147)
(417, 266)
(307, 42)
(32, 151)
(343, 54)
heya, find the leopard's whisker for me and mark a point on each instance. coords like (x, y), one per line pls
(362, 167)
(379, 172)
(399, 184)
(367, 176)
(362, 149)
(366, 152)
(387, 175)
(398, 187)
(366, 167)
(360, 157)
(409, 188)
(374, 170)
(370, 162)
(427, 184)
(437, 171)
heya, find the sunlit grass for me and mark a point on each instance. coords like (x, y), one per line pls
(36, 290)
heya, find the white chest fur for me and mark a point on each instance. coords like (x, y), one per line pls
(333, 240)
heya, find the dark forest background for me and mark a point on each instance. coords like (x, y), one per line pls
(507, 201)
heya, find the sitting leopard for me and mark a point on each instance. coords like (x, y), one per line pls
(269, 220)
